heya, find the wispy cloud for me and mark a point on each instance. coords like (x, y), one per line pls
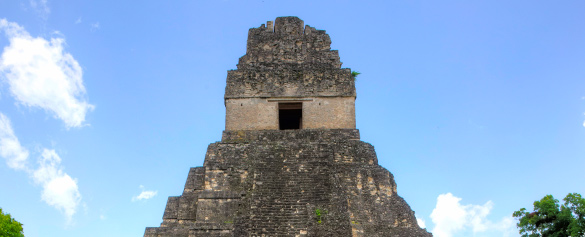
(95, 26)
(59, 189)
(41, 7)
(42, 74)
(78, 21)
(451, 218)
(10, 149)
(144, 195)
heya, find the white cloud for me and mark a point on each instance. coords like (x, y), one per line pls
(59, 189)
(421, 223)
(451, 217)
(10, 148)
(41, 74)
(448, 216)
(144, 195)
(78, 20)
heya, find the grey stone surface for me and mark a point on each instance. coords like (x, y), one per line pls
(245, 83)
(302, 182)
(289, 60)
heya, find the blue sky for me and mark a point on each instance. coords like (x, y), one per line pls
(476, 107)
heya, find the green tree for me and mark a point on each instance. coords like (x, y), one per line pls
(9, 227)
(549, 219)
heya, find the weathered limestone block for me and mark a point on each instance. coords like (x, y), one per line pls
(289, 83)
(317, 113)
(195, 180)
(302, 135)
(171, 212)
(166, 231)
(216, 210)
(289, 46)
(187, 207)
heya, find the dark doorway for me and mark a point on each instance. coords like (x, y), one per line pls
(290, 115)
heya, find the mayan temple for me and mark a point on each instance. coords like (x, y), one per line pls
(290, 161)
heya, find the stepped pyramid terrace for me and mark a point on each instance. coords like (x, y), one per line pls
(290, 161)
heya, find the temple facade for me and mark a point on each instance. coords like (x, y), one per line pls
(290, 162)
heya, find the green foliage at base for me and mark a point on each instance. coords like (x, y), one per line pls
(550, 219)
(9, 227)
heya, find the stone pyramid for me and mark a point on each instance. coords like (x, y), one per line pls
(290, 161)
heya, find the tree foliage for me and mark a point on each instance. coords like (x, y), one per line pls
(9, 227)
(549, 219)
